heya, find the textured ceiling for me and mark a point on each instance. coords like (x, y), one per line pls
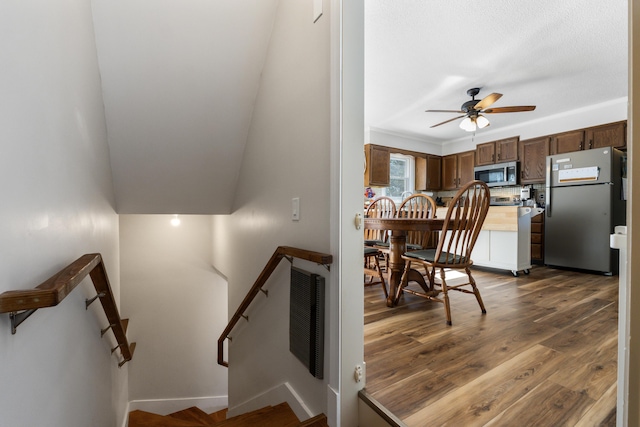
(420, 55)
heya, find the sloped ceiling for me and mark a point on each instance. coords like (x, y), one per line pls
(179, 82)
(557, 55)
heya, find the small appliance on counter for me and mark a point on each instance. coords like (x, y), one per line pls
(504, 201)
(528, 196)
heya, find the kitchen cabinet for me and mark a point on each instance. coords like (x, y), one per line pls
(504, 241)
(376, 171)
(457, 169)
(504, 150)
(609, 135)
(533, 155)
(499, 249)
(567, 142)
(450, 172)
(486, 153)
(507, 149)
(537, 239)
(428, 172)
(466, 163)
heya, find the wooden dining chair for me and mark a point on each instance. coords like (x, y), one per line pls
(462, 224)
(373, 270)
(417, 206)
(382, 207)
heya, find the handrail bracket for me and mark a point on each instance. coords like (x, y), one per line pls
(17, 317)
(105, 330)
(88, 302)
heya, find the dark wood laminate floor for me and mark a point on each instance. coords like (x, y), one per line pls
(544, 354)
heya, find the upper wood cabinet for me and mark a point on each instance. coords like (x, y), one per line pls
(567, 142)
(450, 172)
(609, 135)
(486, 153)
(428, 172)
(457, 169)
(533, 156)
(466, 163)
(376, 171)
(507, 149)
(504, 150)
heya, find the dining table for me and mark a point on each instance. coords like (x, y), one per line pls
(398, 228)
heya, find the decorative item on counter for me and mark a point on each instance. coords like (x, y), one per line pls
(369, 193)
(439, 201)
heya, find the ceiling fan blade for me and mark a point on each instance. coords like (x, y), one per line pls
(444, 111)
(450, 120)
(510, 109)
(487, 100)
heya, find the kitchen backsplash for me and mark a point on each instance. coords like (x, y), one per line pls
(513, 191)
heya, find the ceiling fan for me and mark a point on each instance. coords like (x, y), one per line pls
(471, 110)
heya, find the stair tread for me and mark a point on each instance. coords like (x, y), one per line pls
(220, 415)
(139, 418)
(272, 416)
(319, 420)
(194, 414)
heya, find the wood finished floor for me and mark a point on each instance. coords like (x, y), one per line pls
(545, 354)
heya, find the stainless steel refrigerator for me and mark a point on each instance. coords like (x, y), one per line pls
(584, 202)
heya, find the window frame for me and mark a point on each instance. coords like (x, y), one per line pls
(409, 178)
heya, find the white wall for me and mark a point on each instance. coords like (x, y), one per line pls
(177, 304)
(287, 155)
(57, 204)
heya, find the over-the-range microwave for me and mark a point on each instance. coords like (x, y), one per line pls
(500, 174)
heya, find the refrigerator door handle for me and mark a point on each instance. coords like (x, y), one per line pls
(547, 206)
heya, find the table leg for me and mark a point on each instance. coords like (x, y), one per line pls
(397, 247)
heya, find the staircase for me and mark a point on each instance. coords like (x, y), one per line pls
(271, 416)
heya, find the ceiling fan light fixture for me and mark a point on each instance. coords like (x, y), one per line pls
(468, 124)
(482, 121)
(472, 120)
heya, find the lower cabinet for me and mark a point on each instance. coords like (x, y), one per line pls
(503, 249)
(537, 239)
(505, 239)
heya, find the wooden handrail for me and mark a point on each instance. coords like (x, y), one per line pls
(21, 304)
(281, 252)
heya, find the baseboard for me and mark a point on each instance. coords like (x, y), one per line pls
(167, 406)
(125, 421)
(281, 393)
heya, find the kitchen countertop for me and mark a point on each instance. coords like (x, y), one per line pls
(499, 218)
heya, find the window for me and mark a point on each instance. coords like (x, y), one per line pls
(401, 177)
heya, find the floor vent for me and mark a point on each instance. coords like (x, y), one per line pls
(306, 320)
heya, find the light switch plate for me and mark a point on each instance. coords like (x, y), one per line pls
(317, 10)
(295, 209)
